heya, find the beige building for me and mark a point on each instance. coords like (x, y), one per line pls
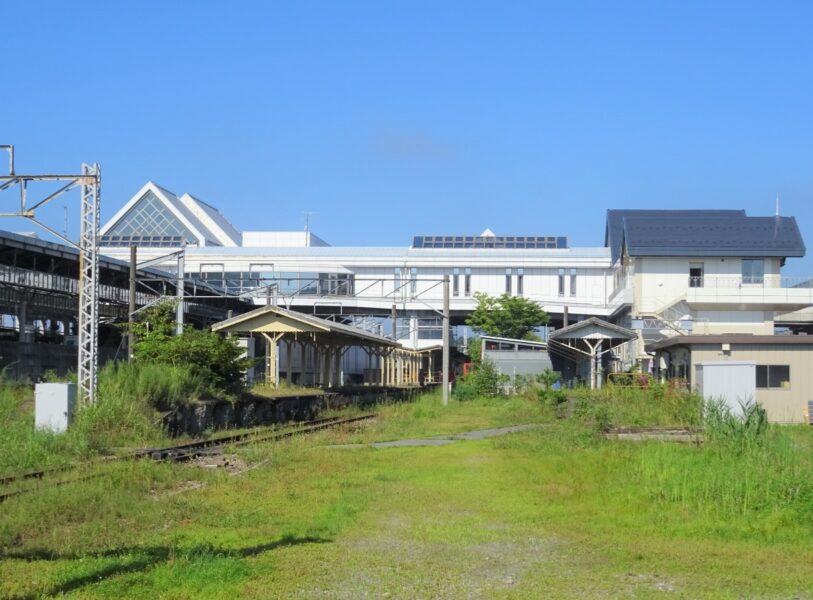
(784, 367)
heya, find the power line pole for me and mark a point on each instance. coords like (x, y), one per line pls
(89, 182)
(445, 376)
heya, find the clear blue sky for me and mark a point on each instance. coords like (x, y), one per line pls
(392, 119)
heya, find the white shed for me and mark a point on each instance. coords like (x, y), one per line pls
(733, 381)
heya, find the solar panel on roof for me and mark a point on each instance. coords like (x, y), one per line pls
(496, 242)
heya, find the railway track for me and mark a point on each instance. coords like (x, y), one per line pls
(180, 452)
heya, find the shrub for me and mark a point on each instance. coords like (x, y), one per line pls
(216, 360)
(482, 381)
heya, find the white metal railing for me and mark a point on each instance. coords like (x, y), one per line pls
(772, 289)
(738, 281)
(387, 289)
(61, 283)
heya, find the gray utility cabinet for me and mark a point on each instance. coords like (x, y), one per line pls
(733, 381)
(54, 405)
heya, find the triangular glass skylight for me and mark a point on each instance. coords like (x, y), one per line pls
(148, 223)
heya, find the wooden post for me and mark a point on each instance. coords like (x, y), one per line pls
(288, 360)
(303, 356)
(271, 358)
(338, 367)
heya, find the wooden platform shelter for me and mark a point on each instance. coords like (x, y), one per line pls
(325, 342)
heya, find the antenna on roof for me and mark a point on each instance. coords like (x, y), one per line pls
(307, 220)
(777, 205)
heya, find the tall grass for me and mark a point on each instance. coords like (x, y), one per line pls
(745, 468)
(127, 413)
(21, 447)
(656, 405)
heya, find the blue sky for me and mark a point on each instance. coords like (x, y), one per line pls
(387, 120)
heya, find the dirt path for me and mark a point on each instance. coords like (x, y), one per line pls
(442, 440)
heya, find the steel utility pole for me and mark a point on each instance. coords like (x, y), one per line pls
(132, 301)
(445, 376)
(180, 292)
(90, 183)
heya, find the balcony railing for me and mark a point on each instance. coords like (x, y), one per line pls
(788, 293)
(737, 282)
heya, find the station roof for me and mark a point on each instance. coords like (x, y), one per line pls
(583, 338)
(614, 233)
(155, 216)
(35, 245)
(273, 319)
(713, 236)
(592, 328)
(513, 340)
(731, 338)
(399, 252)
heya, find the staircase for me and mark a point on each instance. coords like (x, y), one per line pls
(668, 320)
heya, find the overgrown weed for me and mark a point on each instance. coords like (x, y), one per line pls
(745, 468)
(657, 405)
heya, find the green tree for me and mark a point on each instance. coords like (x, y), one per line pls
(215, 358)
(507, 316)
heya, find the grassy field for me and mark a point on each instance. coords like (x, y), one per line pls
(556, 511)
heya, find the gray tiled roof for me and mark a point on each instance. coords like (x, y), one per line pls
(712, 236)
(615, 222)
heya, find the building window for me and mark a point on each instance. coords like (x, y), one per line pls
(413, 281)
(455, 282)
(508, 281)
(397, 280)
(753, 270)
(520, 282)
(467, 282)
(259, 275)
(572, 282)
(773, 376)
(561, 282)
(430, 329)
(212, 273)
(695, 275)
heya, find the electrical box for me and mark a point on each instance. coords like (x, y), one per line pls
(54, 405)
(732, 381)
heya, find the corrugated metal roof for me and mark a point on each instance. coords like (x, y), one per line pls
(713, 236)
(613, 235)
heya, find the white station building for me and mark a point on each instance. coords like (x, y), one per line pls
(662, 272)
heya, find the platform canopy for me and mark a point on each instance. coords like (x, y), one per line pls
(276, 320)
(327, 340)
(589, 340)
